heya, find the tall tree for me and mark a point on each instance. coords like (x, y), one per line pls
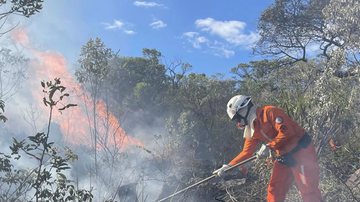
(138, 85)
(289, 28)
(302, 29)
(94, 67)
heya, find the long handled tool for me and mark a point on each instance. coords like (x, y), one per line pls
(209, 178)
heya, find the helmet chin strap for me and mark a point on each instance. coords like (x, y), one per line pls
(245, 118)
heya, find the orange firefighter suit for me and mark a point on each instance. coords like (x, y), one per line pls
(282, 135)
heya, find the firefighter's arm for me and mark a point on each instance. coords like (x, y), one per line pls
(249, 149)
(280, 121)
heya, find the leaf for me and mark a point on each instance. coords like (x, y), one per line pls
(72, 105)
(51, 94)
(43, 84)
(67, 106)
(62, 88)
(65, 167)
(2, 105)
(61, 176)
(57, 81)
(45, 102)
(65, 95)
(3, 118)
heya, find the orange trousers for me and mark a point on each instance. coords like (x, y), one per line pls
(305, 174)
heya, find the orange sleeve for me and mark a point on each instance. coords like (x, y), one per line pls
(282, 125)
(248, 150)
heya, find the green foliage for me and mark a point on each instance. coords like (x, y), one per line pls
(94, 63)
(299, 30)
(137, 84)
(288, 28)
(344, 18)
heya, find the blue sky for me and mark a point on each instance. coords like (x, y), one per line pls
(211, 35)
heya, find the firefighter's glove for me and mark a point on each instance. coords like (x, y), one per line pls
(219, 172)
(263, 152)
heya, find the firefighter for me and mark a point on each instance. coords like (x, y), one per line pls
(295, 156)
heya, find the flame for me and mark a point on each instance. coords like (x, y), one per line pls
(75, 124)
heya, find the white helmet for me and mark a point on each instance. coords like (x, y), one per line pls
(236, 103)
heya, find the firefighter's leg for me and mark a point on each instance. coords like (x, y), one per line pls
(306, 173)
(280, 182)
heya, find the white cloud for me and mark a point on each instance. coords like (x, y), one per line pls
(195, 39)
(191, 34)
(231, 31)
(226, 53)
(118, 25)
(214, 47)
(220, 49)
(147, 4)
(158, 24)
(232, 35)
(129, 32)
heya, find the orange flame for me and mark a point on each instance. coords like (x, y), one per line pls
(75, 124)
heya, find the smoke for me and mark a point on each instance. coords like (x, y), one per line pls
(19, 36)
(47, 65)
(125, 160)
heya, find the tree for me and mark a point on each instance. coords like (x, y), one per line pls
(94, 67)
(342, 18)
(289, 28)
(176, 71)
(138, 85)
(302, 29)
